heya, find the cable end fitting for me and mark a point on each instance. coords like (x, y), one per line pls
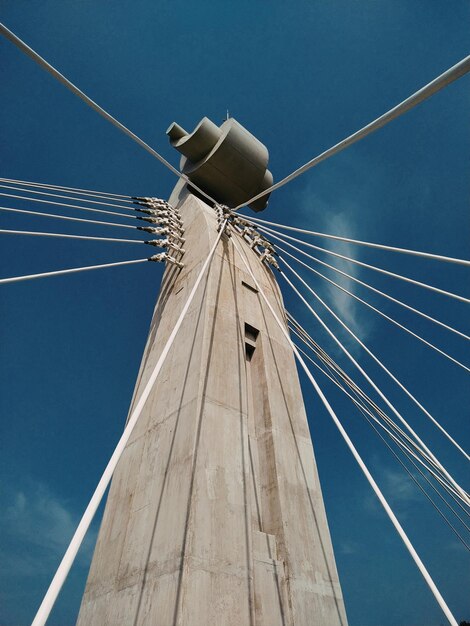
(163, 257)
(269, 259)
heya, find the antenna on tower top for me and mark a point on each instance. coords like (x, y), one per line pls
(228, 115)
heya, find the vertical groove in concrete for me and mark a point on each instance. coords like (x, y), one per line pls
(215, 513)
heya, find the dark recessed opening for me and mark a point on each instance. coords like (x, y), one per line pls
(250, 287)
(251, 332)
(249, 351)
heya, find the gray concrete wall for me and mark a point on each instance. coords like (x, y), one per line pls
(215, 514)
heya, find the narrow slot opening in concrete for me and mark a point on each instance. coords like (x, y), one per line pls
(249, 351)
(250, 287)
(251, 332)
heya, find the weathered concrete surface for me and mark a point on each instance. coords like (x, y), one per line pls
(215, 514)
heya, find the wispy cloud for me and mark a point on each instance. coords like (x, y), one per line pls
(402, 489)
(398, 488)
(319, 214)
(457, 546)
(349, 547)
(35, 528)
(340, 224)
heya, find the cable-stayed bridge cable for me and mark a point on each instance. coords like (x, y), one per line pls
(384, 315)
(415, 480)
(16, 279)
(407, 441)
(435, 591)
(77, 539)
(374, 289)
(34, 233)
(460, 490)
(443, 292)
(366, 414)
(91, 103)
(462, 494)
(456, 71)
(421, 407)
(379, 246)
(70, 206)
(364, 398)
(56, 195)
(401, 439)
(65, 217)
(83, 192)
(387, 419)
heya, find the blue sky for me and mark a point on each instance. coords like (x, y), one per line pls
(301, 76)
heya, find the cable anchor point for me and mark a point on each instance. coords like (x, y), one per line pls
(165, 257)
(224, 215)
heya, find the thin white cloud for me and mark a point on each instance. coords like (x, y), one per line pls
(402, 489)
(320, 215)
(349, 547)
(457, 546)
(340, 224)
(36, 527)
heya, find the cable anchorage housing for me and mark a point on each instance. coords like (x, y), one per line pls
(223, 217)
(167, 222)
(259, 243)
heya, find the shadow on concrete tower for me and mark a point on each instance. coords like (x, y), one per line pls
(215, 514)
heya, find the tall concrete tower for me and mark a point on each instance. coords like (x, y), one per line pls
(215, 514)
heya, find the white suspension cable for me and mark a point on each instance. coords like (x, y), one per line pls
(461, 491)
(382, 293)
(367, 415)
(82, 192)
(384, 315)
(400, 438)
(307, 339)
(428, 415)
(356, 454)
(454, 494)
(450, 294)
(77, 539)
(63, 217)
(62, 235)
(391, 424)
(415, 480)
(71, 206)
(15, 279)
(426, 255)
(456, 71)
(403, 438)
(409, 453)
(91, 103)
(56, 195)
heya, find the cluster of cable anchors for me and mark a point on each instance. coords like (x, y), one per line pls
(257, 242)
(228, 220)
(165, 220)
